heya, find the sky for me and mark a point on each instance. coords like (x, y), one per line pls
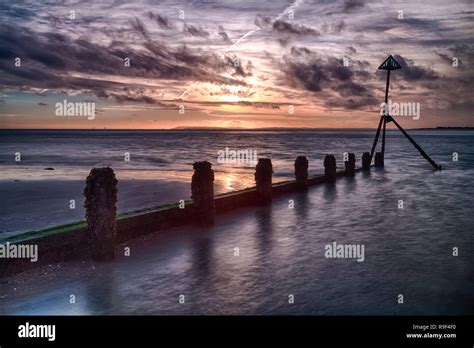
(234, 64)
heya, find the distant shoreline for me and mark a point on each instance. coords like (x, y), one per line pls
(216, 129)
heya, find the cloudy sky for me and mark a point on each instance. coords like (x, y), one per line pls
(225, 63)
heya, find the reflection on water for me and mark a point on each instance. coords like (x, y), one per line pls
(264, 232)
(228, 182)
(100, 296)
(301, 207)
(203, 259)
(330, 193)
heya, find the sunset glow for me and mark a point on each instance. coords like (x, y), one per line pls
(253, 64)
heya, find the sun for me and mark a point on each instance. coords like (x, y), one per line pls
(230, 98)
(234, 93)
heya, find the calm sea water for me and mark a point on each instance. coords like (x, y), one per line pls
(408, 251)
(73, 153)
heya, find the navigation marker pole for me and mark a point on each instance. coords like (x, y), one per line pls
(391, 64)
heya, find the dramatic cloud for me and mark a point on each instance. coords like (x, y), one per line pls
(232, 57)
(195, 31)
(294, 29)
(411, 72)
(263, 21)
(50, 60)
(224, 35)
(258, 105)
(163, 22)
(139, 27)
(328, 78)
(353, 4)
(338, 27)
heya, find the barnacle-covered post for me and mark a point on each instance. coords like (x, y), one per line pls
(100, 204)
(330, 168)
(263, 178)
(202, 193)
(379, 160)
(301, 172)
(350, 164)
(366, 159)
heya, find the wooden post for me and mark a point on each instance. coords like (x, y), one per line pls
(202, 193)
(263, 178)
(100, 198)
(366, 159)
(350, 164)
(301, 172)
(330, 168)
(379, 160)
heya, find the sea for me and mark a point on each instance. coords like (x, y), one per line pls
(415, 224)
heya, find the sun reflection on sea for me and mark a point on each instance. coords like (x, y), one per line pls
(232, 181)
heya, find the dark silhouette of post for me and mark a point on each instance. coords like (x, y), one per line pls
(377, 134)
(350, 164)
(301, 172)
(202, 193)
(100, 204)
(379, 159)
(330, 168)
(366, 160)
(391, 64)
(383, 139)
(263, 179)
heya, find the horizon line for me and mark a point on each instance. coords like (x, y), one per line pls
(227, 129)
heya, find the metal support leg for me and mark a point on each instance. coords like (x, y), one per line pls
(376, 139)
(383, 136)
(423, 153)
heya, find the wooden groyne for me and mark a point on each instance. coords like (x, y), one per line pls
(98, 236)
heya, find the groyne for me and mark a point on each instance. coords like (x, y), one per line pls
(103, 230)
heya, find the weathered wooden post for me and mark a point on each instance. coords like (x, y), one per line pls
(379, 160)
(263, 178)
(350, 164)
(366, 159)
(202, 193)
(301, 172)
(330, 168)
(100, 198)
